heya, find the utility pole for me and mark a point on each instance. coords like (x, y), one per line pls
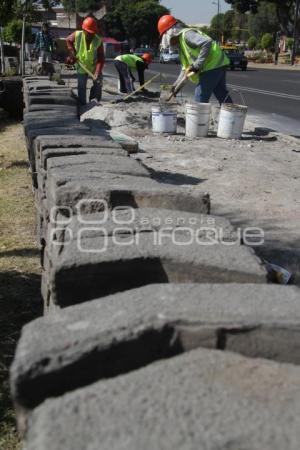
(2, 67)
(22, 68)
(218, 19)
(295, 33)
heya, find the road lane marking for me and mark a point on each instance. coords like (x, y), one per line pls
(264, 92)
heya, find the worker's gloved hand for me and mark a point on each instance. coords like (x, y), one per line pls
(173, 90)
(190, 70)
(98, 78)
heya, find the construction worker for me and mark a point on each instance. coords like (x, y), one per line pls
(201, 58)
(125, 64)
(44, 46)
(86, 46)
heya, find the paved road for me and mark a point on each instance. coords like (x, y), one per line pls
(273, 96)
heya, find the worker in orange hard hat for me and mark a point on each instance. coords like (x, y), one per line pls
(125, 64)
(202, 59)
(86, 46)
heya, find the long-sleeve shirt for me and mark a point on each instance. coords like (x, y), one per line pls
(44, 41)
(100, 53)
(140, 68)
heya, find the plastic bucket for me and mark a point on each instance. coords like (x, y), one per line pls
(164, 119)
(231, 121)
(197, 118)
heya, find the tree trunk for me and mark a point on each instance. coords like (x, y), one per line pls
(2, 68)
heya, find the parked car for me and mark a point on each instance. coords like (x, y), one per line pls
(141, 50)
(236, 57)
(166, 56)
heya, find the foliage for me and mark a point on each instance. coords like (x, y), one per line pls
(80, 5)
(252, 42)
(265, 21)
(285, 10)
(267, 41)
(137, 19)
(290, 43)
(12, 32)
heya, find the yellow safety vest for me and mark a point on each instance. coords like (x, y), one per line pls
(88, 57)
(188, 55)
(130, 60)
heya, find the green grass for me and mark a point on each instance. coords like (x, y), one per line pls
(19, 264)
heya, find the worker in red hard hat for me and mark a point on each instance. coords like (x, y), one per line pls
(125, 64)
(202, 59)
(86, 46)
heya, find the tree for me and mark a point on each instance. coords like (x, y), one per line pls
(285, 10)
(252, 42)
(13, 32)
(264, 21)
(137, 19)
(80, 5)
(267, 41)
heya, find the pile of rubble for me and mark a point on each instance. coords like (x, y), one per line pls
(156, 314)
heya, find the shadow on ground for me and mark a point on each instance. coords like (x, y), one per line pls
(20, 302)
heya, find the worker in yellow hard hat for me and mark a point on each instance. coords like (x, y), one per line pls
(124, 65)
(86, 46)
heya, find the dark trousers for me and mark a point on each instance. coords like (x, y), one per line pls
(125, 76)
(96, 90)
(213, 82)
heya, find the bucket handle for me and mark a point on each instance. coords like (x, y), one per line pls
(239, 92)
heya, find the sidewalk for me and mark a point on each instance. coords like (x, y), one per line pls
(272, 66)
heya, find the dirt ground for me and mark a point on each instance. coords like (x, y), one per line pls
(255, 182)
(19, 263)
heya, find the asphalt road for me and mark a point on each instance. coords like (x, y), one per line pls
(272, 96)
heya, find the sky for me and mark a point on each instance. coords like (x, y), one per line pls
(195, 11)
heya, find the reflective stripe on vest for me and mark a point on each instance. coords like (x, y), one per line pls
(88, 57)
(129, 60)
(188, 55)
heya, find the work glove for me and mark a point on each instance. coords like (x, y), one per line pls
(173, 90)
(98, 78)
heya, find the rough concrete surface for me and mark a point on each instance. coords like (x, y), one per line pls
(120, 333)
(201, 400)
(123, 190)
(253, 182)
(93, 267)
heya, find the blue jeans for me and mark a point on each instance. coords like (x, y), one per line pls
(213, 82)
(96, 90)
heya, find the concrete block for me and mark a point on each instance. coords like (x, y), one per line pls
(123, 190)
(120, 333)
(103, 148)
(51, 100)
(93, 267)
(204, 399)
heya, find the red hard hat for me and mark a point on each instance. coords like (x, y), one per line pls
(165, 23)
(147, 57)
(90, 25)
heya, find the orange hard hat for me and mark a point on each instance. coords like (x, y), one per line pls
(165, 23)
(147, 57)
(90, 25)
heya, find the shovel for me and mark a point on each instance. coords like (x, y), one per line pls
(180, 85)
(137, 90)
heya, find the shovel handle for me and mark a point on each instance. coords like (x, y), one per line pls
(86, 70)
(141, 87)
(180, 85)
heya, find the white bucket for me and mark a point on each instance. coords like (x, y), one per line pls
(197, 118)
(231, 121)
(164, 119)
